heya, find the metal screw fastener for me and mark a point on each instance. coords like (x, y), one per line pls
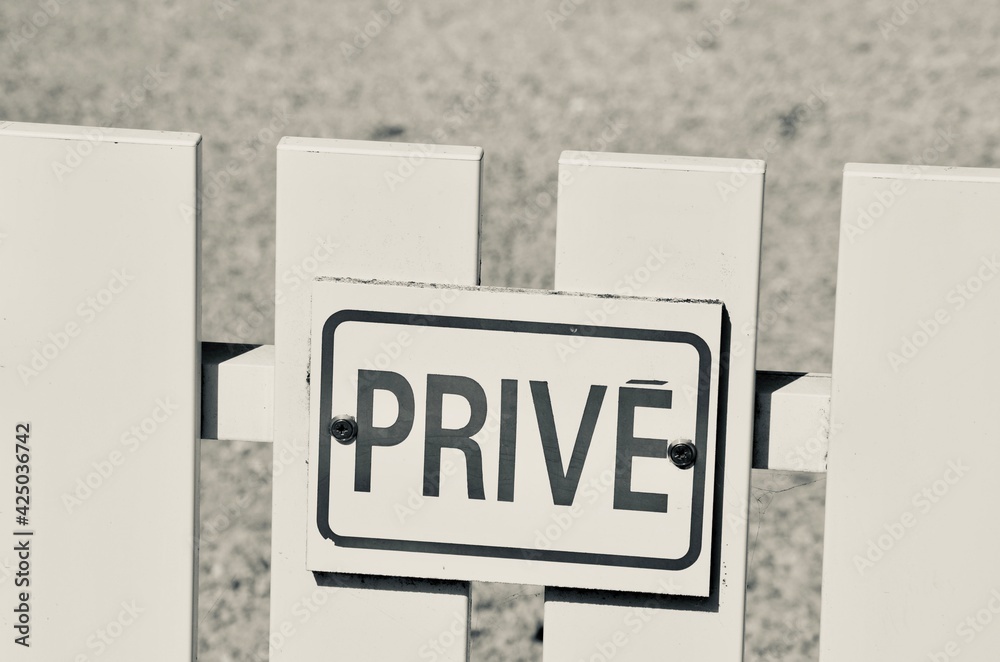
(344, 428)
(682, 453)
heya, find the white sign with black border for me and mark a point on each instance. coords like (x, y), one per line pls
(513, 435)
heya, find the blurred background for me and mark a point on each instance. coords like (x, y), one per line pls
(808, 86)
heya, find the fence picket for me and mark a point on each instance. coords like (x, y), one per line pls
(99, 322)
(911, 542)
(364, 210)
(669, 227)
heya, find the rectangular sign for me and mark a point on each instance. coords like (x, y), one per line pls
(517, 436)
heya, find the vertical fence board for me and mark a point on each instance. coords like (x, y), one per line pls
(678, 227)
(363, 210)
(99, 353)
(912, 541)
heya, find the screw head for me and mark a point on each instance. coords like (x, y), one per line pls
(344, 428)
(682, 453)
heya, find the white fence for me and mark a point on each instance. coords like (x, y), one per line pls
(101, 390)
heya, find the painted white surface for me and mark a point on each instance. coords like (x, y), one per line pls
(238, 401)
(486, 516)
(911, 544)
(792, 427)
(671, 227)
(344, 213)
(99, 352)
(791, 430)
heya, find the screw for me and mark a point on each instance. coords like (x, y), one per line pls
(344, 428)
(682, 453)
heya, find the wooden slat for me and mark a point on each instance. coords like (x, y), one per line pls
(791, 425)
(99, 353)
(791, 421)
(237, 391)
(676, 227)
(911, 541)
(363, 210)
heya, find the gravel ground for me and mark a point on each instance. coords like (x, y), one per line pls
(812, 85)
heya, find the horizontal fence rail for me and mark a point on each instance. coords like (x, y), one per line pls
(791, 427)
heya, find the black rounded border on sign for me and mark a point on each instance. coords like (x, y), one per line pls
(545, 328)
